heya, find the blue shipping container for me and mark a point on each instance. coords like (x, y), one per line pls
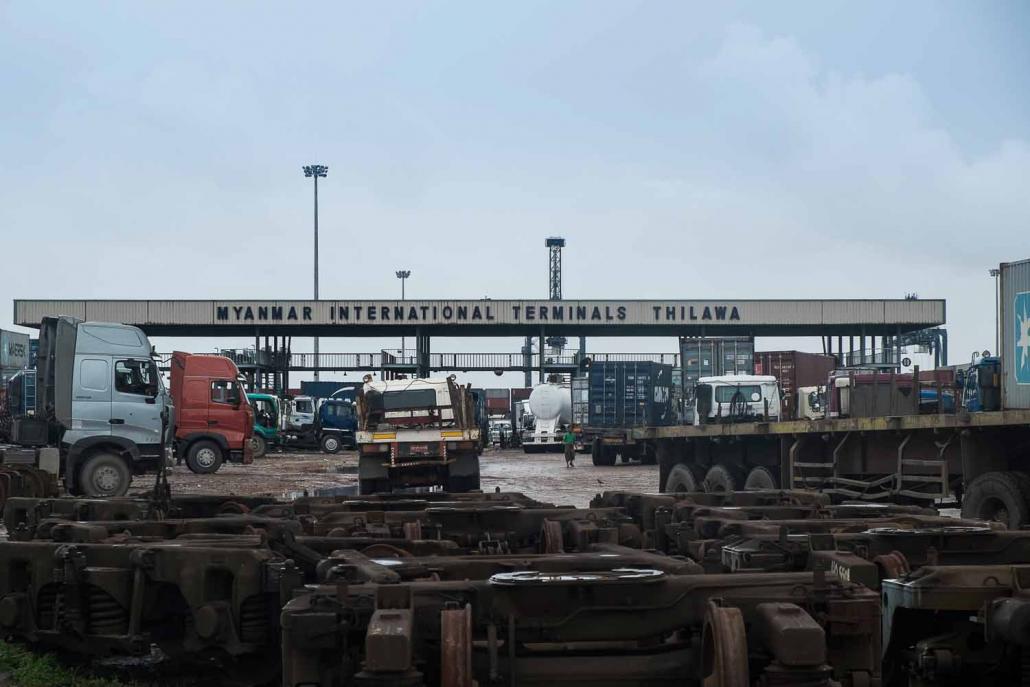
(630, 394)
(327, 389)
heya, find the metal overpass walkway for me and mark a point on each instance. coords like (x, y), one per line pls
(385, 361)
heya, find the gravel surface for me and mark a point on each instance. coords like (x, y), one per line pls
(541, 476)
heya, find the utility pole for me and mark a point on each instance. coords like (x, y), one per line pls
(315, 171)
(994, 272)
(403, 275)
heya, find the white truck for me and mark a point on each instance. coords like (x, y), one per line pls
(300, 413)
(551, 407)
(736, 398)
(417, 433)
(102, 411)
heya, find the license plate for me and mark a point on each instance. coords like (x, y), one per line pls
(418, 449)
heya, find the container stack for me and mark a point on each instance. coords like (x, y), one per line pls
(630, 394)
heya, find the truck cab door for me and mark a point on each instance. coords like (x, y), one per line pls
(192, 417)
(226, 414)
(135, 410)
(91, 399)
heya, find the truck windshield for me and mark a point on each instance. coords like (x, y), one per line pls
(304, 406)
(338, 410)
(725, 394)
(409, 399)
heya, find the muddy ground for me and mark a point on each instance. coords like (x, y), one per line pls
(540, 476)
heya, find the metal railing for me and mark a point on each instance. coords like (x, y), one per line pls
(882, 358)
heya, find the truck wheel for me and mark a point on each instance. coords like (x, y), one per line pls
(330, 443)
(681, 480)
(999, 497)
(719, 478)
(373, 486)
(459, 484)
(760, 479)
(260, 446)
(601, 455)
(103, 475)
(204, 457)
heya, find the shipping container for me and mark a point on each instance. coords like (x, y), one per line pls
(793, 370)
(630, 394)
(1014, 338)
(520, 394)
(580, 401)
(322, 389)
(497, 406)
(14, 350)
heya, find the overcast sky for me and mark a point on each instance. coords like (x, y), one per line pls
(685, 150)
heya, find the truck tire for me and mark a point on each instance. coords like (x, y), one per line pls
(720, 478)
(601, 455)
(103, 475)
(459, 484)
(681, 480)
(373, 486)
(760, 479)
(331, 443)
(999, 497)
(204, 457)
(259, 445)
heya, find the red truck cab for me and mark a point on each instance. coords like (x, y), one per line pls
(213, 420)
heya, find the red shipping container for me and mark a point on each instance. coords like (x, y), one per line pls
(793, 370)
(520, 394)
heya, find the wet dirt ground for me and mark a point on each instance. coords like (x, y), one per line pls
(542, 476)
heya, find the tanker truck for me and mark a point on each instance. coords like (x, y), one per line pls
(551, 406)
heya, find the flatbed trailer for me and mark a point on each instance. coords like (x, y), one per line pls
(980, 459)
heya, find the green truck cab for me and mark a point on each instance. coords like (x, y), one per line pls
(267, 422)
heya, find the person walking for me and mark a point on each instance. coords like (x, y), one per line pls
(568, 441)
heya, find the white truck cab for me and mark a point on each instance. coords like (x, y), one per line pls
(99, 391)
(301, 412)
(736, 398)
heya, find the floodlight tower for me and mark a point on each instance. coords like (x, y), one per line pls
(316, 171)
(554, 245)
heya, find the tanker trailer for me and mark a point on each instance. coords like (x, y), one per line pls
(551, 405)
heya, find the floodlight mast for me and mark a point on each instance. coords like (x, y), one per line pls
(314, 172)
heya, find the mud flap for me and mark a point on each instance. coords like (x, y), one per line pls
(372, 467)
(464, 465)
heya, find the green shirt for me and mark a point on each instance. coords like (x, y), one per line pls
(569, 438)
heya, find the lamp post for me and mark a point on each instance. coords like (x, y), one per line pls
(995, 272)
(315, 171)
(402, 275)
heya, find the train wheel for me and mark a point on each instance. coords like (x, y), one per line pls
(760, 479)
(724, 656)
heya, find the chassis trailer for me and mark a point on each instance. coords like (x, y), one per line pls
(979, 459)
